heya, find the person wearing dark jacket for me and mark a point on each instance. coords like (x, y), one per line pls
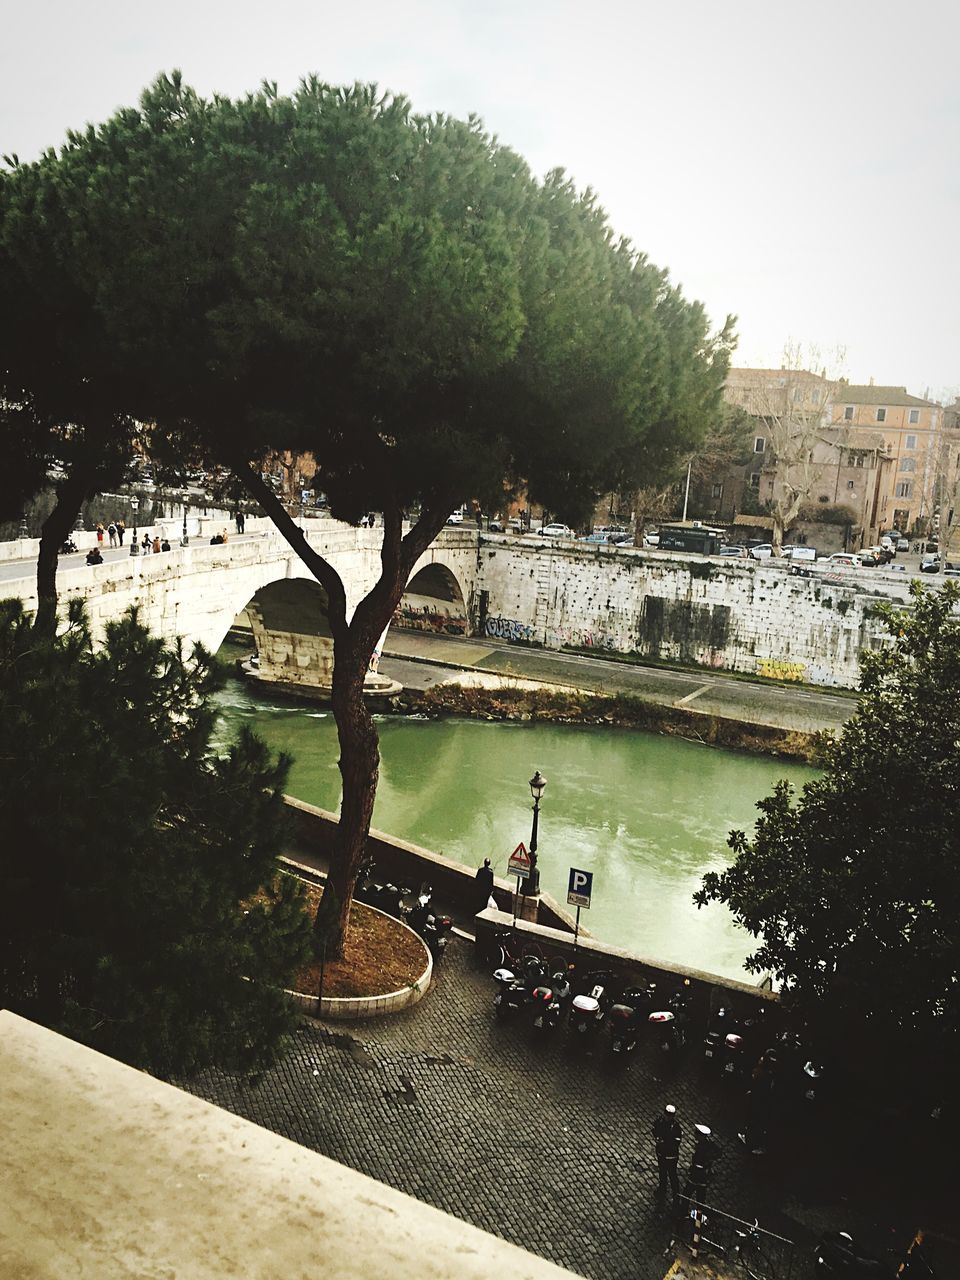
(667, 1136)
(705, 1155)
(484, 880)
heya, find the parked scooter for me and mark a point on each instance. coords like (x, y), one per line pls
(628, 1016)
(838, 1254)
(590, 1007)
(515, 991)
(720, 1024)
(549, 1001)
(671, 1023)
(385, 897)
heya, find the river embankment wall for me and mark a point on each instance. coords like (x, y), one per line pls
(743, 616)
(312, 834)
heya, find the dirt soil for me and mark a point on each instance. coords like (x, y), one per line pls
(380, 956)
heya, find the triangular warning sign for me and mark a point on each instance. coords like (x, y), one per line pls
(520, 857)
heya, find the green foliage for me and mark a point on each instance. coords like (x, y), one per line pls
(394, 293)
(129, 848)
(853, 889)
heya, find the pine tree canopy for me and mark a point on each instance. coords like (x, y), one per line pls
(132, 850)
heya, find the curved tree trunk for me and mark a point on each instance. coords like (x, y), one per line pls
(360, 771)
(55, 531)
(353, 646)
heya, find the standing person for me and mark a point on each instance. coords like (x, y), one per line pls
(239, 520)
(484, 879)
(224, 536)
(156, 546)
(667, 1136)
(121, 530)
(112, 532)
(760, 1104)
(705, 1155)
(99, 533)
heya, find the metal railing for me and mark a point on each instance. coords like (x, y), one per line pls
(745, 1248)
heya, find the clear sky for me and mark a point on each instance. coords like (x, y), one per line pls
(796, 165)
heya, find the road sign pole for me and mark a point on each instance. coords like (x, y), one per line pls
(576, 932)
(516, 900)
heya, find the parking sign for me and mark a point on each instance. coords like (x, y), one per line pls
(579, 887)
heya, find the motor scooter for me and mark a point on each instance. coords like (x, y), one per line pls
(589, 1008)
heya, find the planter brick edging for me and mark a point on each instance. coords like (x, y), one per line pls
(352, 1008)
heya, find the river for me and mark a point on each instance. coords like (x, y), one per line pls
(646, 814)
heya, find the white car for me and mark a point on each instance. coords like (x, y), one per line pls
(845, 559)
(651, 539)
(763, 552)
(455, 517)
(556, 531)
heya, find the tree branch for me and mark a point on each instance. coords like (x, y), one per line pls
(322, 569)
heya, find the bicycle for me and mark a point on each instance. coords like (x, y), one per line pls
(505, 949)
(745, 1251)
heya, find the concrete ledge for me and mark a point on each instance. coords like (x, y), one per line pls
(109, 1173)
(352, 1008)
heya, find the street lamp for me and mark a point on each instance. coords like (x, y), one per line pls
(184, 539)
(135, 507)
(537, 784)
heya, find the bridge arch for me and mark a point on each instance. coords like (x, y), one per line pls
(433, 601)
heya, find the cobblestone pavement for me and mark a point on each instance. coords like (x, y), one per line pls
(543, 1142)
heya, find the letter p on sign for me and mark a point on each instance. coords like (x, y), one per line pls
(579, 887)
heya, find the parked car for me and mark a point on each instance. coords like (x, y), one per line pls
(930, 564)
(495, 524)
(903, 544)
(843, 559)
(870, 559)
(651, 538)
(733, 550)
(762, 551)
(595, 538)
(455, 517)
(556, 531)
(515, 526)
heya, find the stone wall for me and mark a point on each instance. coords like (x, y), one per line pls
(751, 617)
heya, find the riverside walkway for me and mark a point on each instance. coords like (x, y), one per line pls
(548, 1145)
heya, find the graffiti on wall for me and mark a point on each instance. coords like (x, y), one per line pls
(423, 618)
(583, 638)
(778, 669)
(507, 629)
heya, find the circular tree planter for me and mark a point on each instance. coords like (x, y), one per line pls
(355, 1006)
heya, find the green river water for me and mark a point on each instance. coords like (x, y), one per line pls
(647, 814)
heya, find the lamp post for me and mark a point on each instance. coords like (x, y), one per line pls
(537, 784)
(184, 539)
(134, 507)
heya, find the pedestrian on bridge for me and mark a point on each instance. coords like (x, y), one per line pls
(239, 520)
(112, 533)
(121, 530)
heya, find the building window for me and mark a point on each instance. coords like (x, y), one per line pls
(904, 489)
(908, 464)
(911, 442)
(755, 480)
(848, 413)
(914, 417)
(849, 484)
(759, 444)
(797, 395)
(881, 415)
(718, 490)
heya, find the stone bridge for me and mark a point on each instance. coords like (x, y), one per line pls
(725, 614)
(197, 592)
